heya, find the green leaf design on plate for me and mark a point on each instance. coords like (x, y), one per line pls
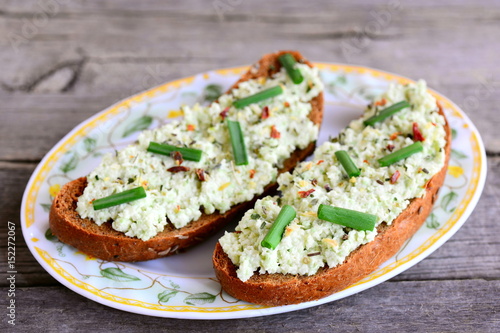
(448, 200)
(166, 295)
(60, 250)
(117, 274)
(458, 154)
(189, 97)
(50, 236)
(432, 221)
(212, 92)
(200, 299)
(174, 285)
(332, 85)
(341, 79)
(453, 134)
(46, 207)
(70, 164)
(89, 144)
(137, 125)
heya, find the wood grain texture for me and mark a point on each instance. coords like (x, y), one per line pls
(453, 49)
(456, 306)
(88, 55)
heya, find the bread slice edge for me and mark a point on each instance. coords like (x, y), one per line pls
(284, 289)
(108, 244)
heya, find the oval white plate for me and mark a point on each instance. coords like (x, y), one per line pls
(184, 285)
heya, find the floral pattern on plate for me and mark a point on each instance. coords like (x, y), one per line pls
(184, 285)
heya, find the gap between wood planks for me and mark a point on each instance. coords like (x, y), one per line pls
(77, 67)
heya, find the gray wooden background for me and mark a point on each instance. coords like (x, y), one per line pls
(61, 61)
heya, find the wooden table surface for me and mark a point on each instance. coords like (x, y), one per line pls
(64, 60)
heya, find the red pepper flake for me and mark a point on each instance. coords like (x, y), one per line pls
(382, 102)
(177, 156)
(314, 182)
(224, 112)
(390, 147)
(286, 104)
(237, 232)
(366, 161)
(275, 134)
(190, 127)
(176, 169)
(395, 177)
(319, 162)
(394, 135)
(417, 135)
(265, 112)
(201, 174)
(251, 172)
(433, 124)
(305, 194)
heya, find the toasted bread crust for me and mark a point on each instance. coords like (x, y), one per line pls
(283, 289)
(108, 244)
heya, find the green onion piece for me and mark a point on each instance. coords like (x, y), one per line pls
(275, 233)
(260, 96)
(350, 168)
(386, 113)
(288, 61)
(347, 217)
(119, 198)
(189, 154)
(238, 142)
(403, 153)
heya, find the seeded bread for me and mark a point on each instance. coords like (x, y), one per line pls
(283, 289)
(108, 244)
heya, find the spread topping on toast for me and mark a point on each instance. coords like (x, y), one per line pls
(376, 190)
(215, 181)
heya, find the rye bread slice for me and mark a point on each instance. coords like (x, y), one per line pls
(108, 244)
(283, 289)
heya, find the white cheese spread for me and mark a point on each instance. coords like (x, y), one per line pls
(181, 197)
(309, 243)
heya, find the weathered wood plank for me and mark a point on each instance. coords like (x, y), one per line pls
(107, 69)
(86, 56)
(455, 306)
(473, 253)
(14, 177)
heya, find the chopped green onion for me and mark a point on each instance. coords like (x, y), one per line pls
(403, 153)
(386, 113)
(260, 96)
(350, 168)
(237, 142)
(189, 154)
(119, 198)
(288, 61)
(275, 233)
(347, 217)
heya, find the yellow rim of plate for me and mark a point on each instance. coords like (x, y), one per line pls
(43, 170)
